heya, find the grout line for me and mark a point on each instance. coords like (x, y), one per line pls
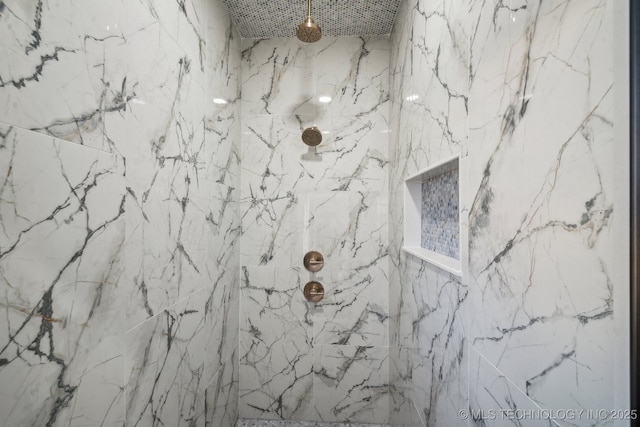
(511, 383)
(415, 408)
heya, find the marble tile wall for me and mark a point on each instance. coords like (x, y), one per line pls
(325, 361)
(119, 249)
(523, 91)
(428, 307)
(548, 163)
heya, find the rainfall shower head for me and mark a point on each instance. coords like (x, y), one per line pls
(312, 136)
(309, 31)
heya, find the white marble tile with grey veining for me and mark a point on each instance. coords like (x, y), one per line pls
(354, 310)
(221, 395)
(428, 121)
(276, 359)
(540, 224)
(61, 255)
(184, 21)
(286, 77)
(402, 409)
(331, 198)
(222, 307)
(496, 401)
(56, 78)
(222, 124)
(165, 366)
(129, 79)
(274, 156)
(348, 228)
(282, 193)
(351, 383)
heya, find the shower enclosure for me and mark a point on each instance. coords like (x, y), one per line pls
(157, 202)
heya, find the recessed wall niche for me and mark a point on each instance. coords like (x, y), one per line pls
(432, 215)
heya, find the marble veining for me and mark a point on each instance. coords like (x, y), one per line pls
(428, 307)
(130, 200)
(524, 93)
(120, 212)
(61, 250)
(326, 361)
(559, 219)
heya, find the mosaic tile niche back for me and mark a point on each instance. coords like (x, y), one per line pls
(440, 217)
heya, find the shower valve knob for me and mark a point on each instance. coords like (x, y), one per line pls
(313, 261)
(313, 291)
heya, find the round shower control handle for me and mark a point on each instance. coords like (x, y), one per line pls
(312, 136)
(313, 261)
(313, 291)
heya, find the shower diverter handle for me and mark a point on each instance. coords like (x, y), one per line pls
(313, 291)
(313, 261)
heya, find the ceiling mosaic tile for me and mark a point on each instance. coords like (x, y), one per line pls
(279, 18)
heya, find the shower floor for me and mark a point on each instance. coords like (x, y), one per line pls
(283, 423)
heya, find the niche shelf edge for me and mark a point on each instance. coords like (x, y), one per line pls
(443, 262)
(413, 216)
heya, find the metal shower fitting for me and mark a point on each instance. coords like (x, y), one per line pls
(312, 136)
(309, 31)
